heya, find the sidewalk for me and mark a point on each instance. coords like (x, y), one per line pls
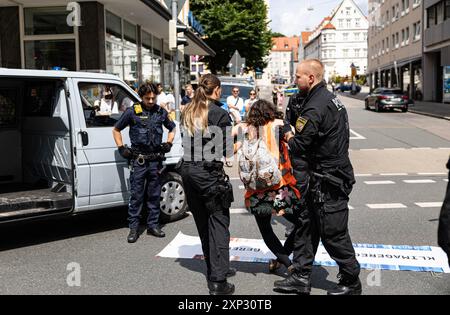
(438, 110)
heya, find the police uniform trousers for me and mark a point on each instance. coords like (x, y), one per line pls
(301, 244)
(145, 186)
(329, 224)
(211, 217)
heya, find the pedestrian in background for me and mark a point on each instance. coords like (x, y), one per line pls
(253, 97)
(208, 189)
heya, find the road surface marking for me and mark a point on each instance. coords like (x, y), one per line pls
(431, 174)
(239, 211)
(446, 180)
(356, 136)
(350, 208)
(380, 182)
(421, 148)
(387, 206)
(394, 174)
(419, 181)
(429, 204)
(363, 175)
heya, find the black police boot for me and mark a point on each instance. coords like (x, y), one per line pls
(133, 236)
(220, 288)
(296, 283)
(347, 286)
(156, 232)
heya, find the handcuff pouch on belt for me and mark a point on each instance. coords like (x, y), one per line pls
(220, 194)
(151, 157)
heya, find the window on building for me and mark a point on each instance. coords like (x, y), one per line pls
(364, 35)
(387, 44)
(349, 23)
(416, 3)
(447, 9)
(393, 13)
(403, 37)
(356, 35)
(407, 36)
(387, 17)
(130, 52)
(405, 6)
(417, 31)
(440, 14)
(358, 23)
(348, 11)
(431, 16)
(345, 53)
(47, 54)
(356, 52)
(397, 40)
(46, 21)
(341, 23)
(345, 37)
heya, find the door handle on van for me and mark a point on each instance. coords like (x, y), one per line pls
(84, 138)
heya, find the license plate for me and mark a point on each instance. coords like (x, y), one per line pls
(396, 99)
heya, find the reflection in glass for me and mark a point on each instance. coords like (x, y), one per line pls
(46, 55)
(46, 21)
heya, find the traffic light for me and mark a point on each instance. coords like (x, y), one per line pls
(174, 40)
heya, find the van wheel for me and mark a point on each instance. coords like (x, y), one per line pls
(173, 198)
(367, 105)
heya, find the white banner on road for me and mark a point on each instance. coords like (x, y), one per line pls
(383, 257)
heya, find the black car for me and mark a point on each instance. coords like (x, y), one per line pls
(386, 98)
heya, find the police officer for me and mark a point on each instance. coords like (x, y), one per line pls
(444, 222)
(322, 131)
(206, 130)
(146, 121)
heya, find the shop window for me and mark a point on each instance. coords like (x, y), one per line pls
(46, 21)
(48, 55)
(104, 104)
(113, 25)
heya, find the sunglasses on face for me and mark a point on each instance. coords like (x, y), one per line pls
(235, 91)
(252, 93)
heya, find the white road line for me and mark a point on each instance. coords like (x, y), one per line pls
(380, 182)
(239, 211)
(446, 180)
(369, 150)
(421, 148)
(393, 149)
(429, 204)
(363, 175)
(444, 148)
(356, 136)
(387, 206)
(394, 174)
(419, 181)
(235, 178)
(351, 208)
(431, 174)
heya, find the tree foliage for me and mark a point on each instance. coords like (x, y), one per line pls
(232, 25)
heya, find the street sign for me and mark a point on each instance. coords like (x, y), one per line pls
(236, 64)
(180, 4)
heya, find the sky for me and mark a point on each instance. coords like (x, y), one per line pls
(290, 17)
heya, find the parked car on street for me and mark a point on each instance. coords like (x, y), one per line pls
(348, 88)
(387, 98)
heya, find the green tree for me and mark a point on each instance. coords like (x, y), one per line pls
(232, 25)
(277, 34)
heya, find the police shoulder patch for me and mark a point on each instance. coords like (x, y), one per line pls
(301, 123)
(337, 102)
(138, 109)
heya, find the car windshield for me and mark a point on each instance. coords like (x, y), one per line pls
(244, 91)
(392, 92)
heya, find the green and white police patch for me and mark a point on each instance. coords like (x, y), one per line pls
(301, 123)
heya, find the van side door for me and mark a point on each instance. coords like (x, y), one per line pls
(101, 104)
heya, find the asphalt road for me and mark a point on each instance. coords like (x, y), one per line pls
(400, 162)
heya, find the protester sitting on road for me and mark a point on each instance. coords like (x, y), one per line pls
(280, 200)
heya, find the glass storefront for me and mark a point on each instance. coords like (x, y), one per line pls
(446, 97)
(46, 55)
(130, 51)
(46, 36)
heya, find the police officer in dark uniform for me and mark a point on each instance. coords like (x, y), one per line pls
(322, 132)
(444, 222)
(146, 121)
(206, 130)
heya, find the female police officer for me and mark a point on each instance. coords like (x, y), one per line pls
(146, 121)
(206, 129)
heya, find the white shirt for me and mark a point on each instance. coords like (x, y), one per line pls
(107, 108)
(161, 99)
(237, 102)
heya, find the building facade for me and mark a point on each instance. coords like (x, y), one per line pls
(436, 58)
(340, 41)
(395, 45)
(283, 58)
(125, 38)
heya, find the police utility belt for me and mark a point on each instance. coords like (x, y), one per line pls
(141, 158)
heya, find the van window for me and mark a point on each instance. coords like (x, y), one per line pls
(104, 104)
(40, 98)
(8, 108)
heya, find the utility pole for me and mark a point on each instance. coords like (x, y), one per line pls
(176, 67)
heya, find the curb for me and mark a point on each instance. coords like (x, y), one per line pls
(428, 114)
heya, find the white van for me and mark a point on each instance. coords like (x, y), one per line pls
(57, 152)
